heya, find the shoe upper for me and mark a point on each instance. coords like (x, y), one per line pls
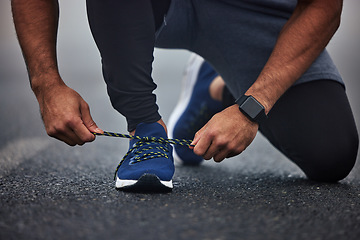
(200, 108)
(148, 155)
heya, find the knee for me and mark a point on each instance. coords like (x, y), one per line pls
(331, 161)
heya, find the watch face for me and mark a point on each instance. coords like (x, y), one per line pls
(251, 107)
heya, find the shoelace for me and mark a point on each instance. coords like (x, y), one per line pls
(146, 141)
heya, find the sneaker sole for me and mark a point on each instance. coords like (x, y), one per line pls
(146, 183)
(188, 84)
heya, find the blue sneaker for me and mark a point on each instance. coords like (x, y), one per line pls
(194, 109)
(148, 166)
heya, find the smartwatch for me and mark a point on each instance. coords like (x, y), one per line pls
(252, 108)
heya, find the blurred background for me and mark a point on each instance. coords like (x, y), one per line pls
(79, 62)
(49, 189)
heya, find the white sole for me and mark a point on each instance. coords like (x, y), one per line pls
(147, 182)
(188, 83)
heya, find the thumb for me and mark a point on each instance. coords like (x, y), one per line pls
(87, 119)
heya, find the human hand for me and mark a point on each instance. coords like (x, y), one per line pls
(66, 115)
(227, 134)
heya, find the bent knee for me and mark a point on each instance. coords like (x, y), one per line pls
(332, 163)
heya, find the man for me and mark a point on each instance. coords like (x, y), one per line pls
(270, 53)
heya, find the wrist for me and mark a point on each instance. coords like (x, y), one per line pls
(41, 84)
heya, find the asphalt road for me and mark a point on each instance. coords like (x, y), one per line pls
(49, 190)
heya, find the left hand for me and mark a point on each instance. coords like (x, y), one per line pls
(227, 134)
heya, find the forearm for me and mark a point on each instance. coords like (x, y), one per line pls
(300, 42)
(65, 114)
(36, 23)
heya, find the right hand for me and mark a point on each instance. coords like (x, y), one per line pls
(66, 115)
(226, 134)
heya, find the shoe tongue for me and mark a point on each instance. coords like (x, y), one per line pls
(149, 130)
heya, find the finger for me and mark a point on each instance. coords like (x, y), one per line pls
(82, 126)
(211, 151)
(68, 138)
(231, 151)
(81, 132)
(222, 148)
(65, 134)
(219, 145)
(87, 119)
(220, 156)
(233, 154)
(196, 138)
(202, 145)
